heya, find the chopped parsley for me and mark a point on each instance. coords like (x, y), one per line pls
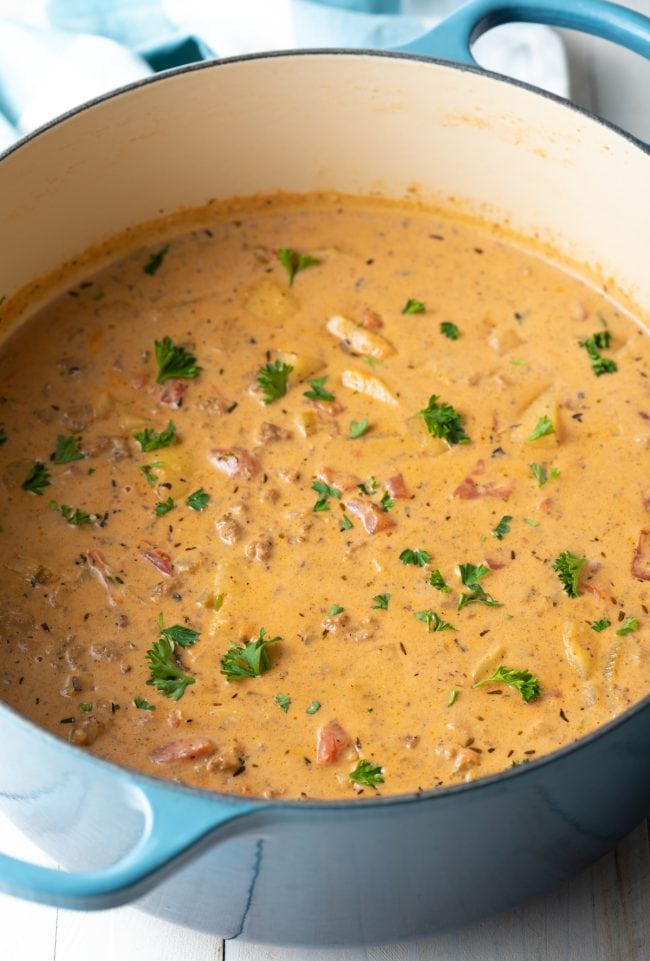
(418, 557)
(37, 479)
(367, 774)
(381, 602)
(178, 634)
(317, 390)
(593, 345)
(542, 474)
(345, 523)
(437, 580)
(324, 492)
(283, 701)
(143, 704)
(174, 361)
(413, 306)
(523, 681)
(470, 575)
(453, 695)
(567, 567)
(335, 609)
(369, 487)
(314, 707)
(150, 439)
(148, 471)
(248, 660)
(449, 330)
(433, 621)
(164, 507)
(67, 450)
(444, 422)
(359, 427)
(542, 428)
(387, 502)
(85, 707)
(272, 378)
(630, 625)
(165, 674)
(600, 625)
(293, 262)
(502, 528)
(73, 516)
(154, 263)
(198, 500)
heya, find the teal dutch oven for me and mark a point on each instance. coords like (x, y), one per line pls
(423, 119)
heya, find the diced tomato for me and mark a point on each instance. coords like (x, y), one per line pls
(396, 486)
(235, 462)
(185, 749)
(172, 392)
(159, 559)
(373, 518)
(641, 560)
(330, 741)
(339, 479)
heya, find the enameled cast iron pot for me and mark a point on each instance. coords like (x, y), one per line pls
(377, 869)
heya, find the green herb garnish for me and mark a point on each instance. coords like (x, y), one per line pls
(367, 774)
(324, 492)
(73, 516)
(568, 567)
(37, 479)
(369, 487)
(523, 681)
(283, 701)
(67, 450)
(593, 345)
(449, 330)
(453, 695)
(164, 507)
(543, 428)
(143, 704)
(413, 306)
(178, 634)
(470, 575)
(387, 502)
(148, 471)
(433, 621)
(542, 474)
(600, 625)
(313, 708)
(502, 528)
(165, 674)
(381, 602)
(154, 262)
(443, 421)
(418, 557)
(334, 610)
(272, 378)
(345, 523)
(359, 427)
(150, 439)
(174, 361)
(317, 391)
(85, 707)
(293, 262)
(248, 660)
(198, 500)
(437, 580)
(630, 625)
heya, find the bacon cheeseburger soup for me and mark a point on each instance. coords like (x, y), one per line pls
(325, 497)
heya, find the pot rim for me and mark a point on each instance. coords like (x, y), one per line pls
(132, 775)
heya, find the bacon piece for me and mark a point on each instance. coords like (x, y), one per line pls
(235, 462)
(373, 518)
(469, 490)
(330, 741)
(172, 393)
(600, 593)
(185, 749)
(339, 479)
(396, 486)
(102, 572)
(641, 560)
(370, 319)
(159, 559)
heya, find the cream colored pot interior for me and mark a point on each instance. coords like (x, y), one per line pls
(352, 123)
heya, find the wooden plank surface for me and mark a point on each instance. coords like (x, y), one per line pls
(604, 915)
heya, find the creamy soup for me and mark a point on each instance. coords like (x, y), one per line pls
(326, 497)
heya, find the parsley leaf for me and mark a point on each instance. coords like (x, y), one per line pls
(418, 557)
(502, 528)
(293, 262)
(542, 474)
(324, 491)
(313, 708)
(543, 428)
(148, 471)
(272, 378)
(345, 523)
(367, 774)
(523, 681)
(630, 625)
(600, 625)
(37, 479)
(335, 609)
(470, 575)
(74, 517)
(369, 487)
(593, 345)
(443, 421)
(568, 567)
(174, 361)
(437, 580)
(154, 262)
(67, 450)
(359, 427)
(164, 507)
(143, 704)
(317, 391)
(381, 602)
(283, 701)
(179, 634)
(433, 621)
(150, 439)
(85, 707)
(248, 660)
(198, 500)
(165, 674)
(449, 330)
(413, 306)
(387, 502)
(453, 695)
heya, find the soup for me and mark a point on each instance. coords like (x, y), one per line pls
(326, 497)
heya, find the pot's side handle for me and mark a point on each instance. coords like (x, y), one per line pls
(452, 39)
(175, 829)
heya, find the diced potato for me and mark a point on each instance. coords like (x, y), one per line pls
(270, 301)
(360, 340)
(576, 648)
(488, 662)
(543, 406)
(306, 423)
(177, 467)
(416, 426)
(503, 340)
(368, 384)
(303, 366)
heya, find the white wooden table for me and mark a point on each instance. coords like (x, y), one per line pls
(604, 915)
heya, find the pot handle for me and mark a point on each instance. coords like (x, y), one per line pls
(451, 39)
(168, 839)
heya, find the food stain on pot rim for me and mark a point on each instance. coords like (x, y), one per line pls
(325, 498)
